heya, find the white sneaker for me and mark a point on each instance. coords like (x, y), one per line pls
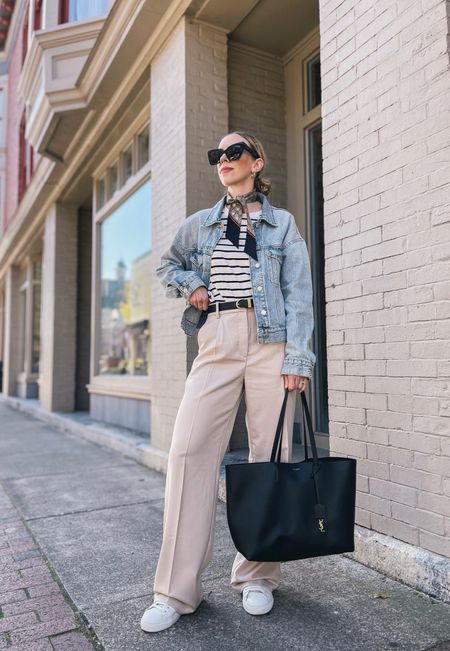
(257, 599)
(158, 616)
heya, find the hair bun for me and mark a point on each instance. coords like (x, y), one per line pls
(262, 184)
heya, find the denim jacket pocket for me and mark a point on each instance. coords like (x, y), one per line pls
(196, 260)
(275, 258)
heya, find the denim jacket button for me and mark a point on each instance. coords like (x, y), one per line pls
(259, 288)
(257, 265)
(263, 312)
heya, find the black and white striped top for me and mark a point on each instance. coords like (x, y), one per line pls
(230, 267)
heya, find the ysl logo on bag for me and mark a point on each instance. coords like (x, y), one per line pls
(321, 525)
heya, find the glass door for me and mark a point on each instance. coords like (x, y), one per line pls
(313, 146)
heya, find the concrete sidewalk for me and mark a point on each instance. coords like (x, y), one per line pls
(95, 517)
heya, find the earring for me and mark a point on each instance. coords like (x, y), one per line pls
(253, 175)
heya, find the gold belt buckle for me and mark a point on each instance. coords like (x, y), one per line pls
(243, 307)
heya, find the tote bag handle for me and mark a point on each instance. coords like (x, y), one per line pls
(319, 508)
(276, 449)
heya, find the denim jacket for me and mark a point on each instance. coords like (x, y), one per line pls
(280, 278)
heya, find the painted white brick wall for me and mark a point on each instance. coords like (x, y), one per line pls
(189, 114)
(257, 104)
(168, 154)
(386, 137)
(206, 111)
(58, 309)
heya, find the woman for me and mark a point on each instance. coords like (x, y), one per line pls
(244, 270)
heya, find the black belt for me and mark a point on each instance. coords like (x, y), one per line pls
(231, 305)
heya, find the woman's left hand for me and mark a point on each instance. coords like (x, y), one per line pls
(296, 382)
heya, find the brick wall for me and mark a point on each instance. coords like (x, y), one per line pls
(256, 99)
(200, 91)
(189, 114)
(257, 104)
(57, 364)
(206, 111)
(386, 134)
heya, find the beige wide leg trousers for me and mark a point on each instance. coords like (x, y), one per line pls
(229, 362)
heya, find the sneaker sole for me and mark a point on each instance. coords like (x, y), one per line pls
(257, 611)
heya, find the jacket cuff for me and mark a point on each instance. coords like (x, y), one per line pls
(193, 284)
(297, 366)
(185, 288)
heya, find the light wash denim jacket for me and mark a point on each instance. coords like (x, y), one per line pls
(281, 278)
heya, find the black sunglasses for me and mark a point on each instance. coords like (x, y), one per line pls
(233, 152)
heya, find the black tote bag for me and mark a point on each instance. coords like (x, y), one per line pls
(281, 511)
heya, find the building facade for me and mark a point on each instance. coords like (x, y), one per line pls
(107, 110)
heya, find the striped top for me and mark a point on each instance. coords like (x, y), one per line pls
(230, 267)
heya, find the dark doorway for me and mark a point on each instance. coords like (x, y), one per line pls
(84, 279)
(318, 270)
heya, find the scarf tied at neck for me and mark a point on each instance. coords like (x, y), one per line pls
(236, 208)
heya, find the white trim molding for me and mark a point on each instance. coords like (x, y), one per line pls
(50, 72)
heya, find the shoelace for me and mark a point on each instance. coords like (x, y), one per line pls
(255, 590)
(160, 603)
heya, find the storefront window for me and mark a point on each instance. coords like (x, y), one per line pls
(2, 117)
(125, 237)
(36, 326)
(29, 317)
(23, 327)
(36, 332)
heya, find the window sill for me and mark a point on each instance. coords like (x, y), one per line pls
(124, 386)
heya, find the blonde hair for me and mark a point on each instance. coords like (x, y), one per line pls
(262, 184)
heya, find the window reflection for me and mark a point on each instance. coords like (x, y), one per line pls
(83, 9)
(35, 329)
(35, 326)
(144, 147)
(112, 180)
(125, 286)
(100, 193)
(23, 327)
(314, 88)
(127, 164)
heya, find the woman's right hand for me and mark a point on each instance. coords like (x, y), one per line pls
(200, 298)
